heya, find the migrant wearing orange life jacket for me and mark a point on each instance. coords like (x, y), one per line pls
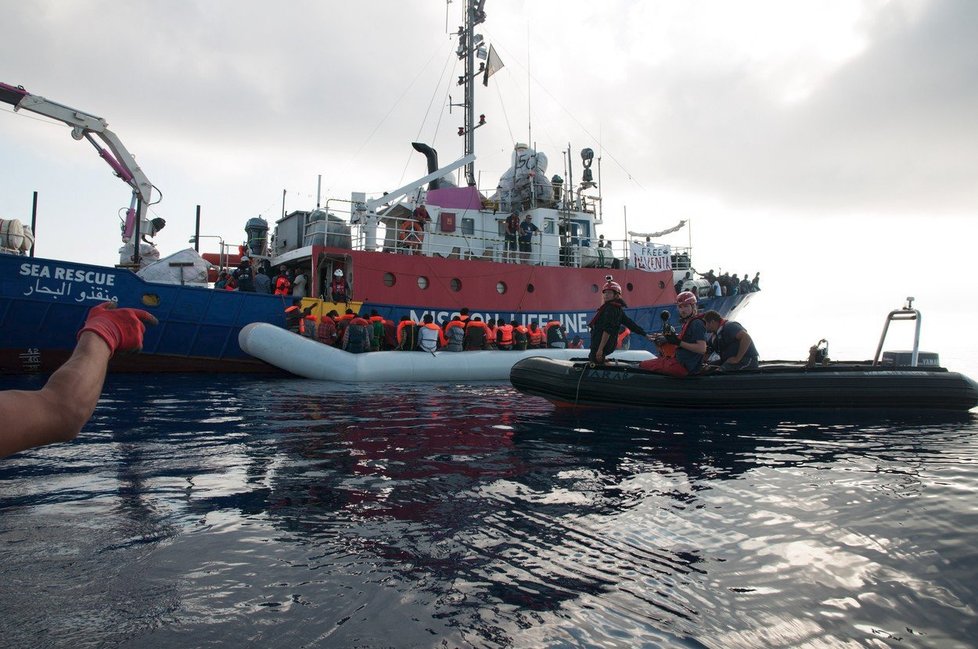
(407, 334)
(476, 335)
(555, 335)
(521, 337)
(293, 318)
(504, 336)
(307, 326)
(535, 335)
(455, 335)
(430, 337)
(326, 331)
(356, 337)
(493, 332)
(377, 331)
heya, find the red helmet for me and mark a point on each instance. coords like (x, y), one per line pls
(686, 297)
(611, 285)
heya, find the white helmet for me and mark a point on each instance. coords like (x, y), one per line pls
(339, 272)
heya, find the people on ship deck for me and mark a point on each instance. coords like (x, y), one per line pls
(58, 411)
(243, 275)
(222, 280)
(299, 284)
(339, 289)
(680, 354)
(510, 249)
(607, 321)
(283, 285)
(430, 335)
(527, 230)
(731, 342)
(263, 283)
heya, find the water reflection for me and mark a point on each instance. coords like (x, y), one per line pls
(476, 514)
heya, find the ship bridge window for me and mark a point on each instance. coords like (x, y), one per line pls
(548, 226)
(468, 226)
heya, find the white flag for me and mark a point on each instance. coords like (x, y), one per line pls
(493, 65)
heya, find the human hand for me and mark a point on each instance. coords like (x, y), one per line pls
(119, 328)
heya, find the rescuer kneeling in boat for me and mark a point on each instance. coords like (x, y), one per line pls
(57, 412)
(731, 342)
(680, 354)
(607, 321)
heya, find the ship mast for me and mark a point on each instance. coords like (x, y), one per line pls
(468, 44)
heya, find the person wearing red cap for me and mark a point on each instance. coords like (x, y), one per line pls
(57, 412)
(607, 322)
(680, 354)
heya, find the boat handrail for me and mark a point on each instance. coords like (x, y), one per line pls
(906, 313)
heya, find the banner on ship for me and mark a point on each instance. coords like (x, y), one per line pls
(651, 257)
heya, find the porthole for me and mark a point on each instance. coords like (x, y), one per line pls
(500, 287)
(662, 284)
(422, 282)
(455, 284)
(594, 288)
(529, 288)
(629, 287)
(389, 279)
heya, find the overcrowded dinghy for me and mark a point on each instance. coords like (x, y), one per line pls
(313, 360)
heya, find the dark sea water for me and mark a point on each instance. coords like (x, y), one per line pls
(238, 512)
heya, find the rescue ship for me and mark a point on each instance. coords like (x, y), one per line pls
(433, 246)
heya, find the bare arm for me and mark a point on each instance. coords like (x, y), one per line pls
(56, 412)
(744, 340)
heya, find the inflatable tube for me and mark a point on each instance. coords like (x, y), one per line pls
(839, 386)
(313, 360)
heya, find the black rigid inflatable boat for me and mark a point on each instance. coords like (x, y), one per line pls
(771, 386)
(904, 381)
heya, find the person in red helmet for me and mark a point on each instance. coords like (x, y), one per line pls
(607, 321)
(680, 354)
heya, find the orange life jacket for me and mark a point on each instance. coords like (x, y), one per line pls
(668, 349)
(504, 335)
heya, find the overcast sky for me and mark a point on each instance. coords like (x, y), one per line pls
(825, 144)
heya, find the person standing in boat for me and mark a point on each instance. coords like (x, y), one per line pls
(263, 283)
(527, 230)
(58, 411)
(607, 322)
(731, 342)
(680, 354)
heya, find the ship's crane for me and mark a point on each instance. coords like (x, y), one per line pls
(88, 127)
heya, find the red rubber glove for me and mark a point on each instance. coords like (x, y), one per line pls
(121, 329)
